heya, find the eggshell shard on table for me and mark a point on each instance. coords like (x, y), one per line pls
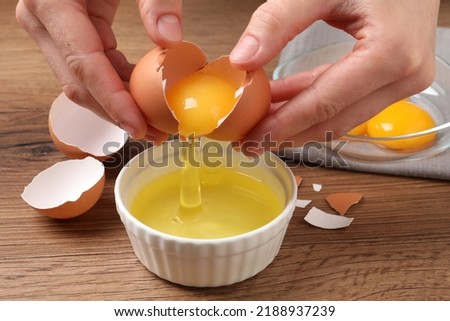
(341, 202)
(78, 132)
(321, 219)
(298, 180)
(302, 203)
(317, 187)
(66, 189)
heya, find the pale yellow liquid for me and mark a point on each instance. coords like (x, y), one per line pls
(232, 203)
(190, 187)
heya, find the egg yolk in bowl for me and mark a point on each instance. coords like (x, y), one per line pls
(399, 119)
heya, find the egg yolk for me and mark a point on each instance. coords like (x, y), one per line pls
(200, 102)
(402, 118)
(359, 130)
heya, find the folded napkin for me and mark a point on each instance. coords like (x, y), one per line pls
(320, 35)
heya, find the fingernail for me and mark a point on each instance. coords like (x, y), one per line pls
(169, 27)
(246, 48)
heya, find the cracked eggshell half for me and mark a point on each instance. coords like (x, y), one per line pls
(161, 68)
(66, 189)
(78, 132)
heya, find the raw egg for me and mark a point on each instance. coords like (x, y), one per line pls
(402, 118)
(398, 119)
(199, 102)
(179, 92)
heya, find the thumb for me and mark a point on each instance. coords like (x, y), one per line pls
(162, 20)
(271, 27)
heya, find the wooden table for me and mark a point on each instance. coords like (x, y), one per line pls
(398, 247)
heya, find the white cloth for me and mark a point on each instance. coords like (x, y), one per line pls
(320, 35)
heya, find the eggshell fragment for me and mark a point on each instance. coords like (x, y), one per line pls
(317, 187)
(157, 71)
(302, 203)
(253, 105)
(341, 202)
(78, 132)
(298, 180)
(66, 189)
(321, 219)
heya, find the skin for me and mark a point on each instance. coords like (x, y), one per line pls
(393, 58)
(80, 47)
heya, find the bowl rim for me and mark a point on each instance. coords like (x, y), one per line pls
(436, 129)
(128, 218)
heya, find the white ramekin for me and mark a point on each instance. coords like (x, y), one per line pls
(204, 262)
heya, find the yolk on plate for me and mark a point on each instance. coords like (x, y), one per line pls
(399, 119)
(200, 102)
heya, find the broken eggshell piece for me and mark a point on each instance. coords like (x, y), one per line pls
(66, 189)
(253, 92)
(78, 132)
(160, 69)
(319, 218)
(341, 202)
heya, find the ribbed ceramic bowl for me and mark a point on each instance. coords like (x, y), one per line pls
(204, 262)
(434, 100)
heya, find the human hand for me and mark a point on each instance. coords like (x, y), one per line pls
(77, 39)
(393, 58)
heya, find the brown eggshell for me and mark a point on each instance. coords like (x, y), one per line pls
(341, 202)
(156, 72)
(298, 180)
(160, 69)
(78, 132)
(252, 106)
(66, 189)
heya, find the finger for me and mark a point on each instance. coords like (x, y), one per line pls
(83, 52)
(156, 136)
(350, 117)
(162, 20)
(347, 82)
(272, 26)
(285, 88)
(343, 121)
(70, 84)
(102, 17)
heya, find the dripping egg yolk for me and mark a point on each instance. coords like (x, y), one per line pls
(399, 119)
(200, 102)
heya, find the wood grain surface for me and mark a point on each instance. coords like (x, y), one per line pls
(398, 247)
